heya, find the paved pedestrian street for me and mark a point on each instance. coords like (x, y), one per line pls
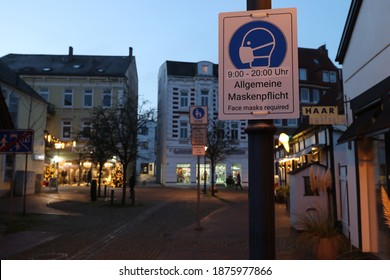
(162, 226)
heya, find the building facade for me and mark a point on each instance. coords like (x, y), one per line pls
(73, 85)
(312, 142)
(364, 52)
(25, 109)
(181, 85)
(146, 161)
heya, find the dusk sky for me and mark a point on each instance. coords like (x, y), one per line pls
(178, 30)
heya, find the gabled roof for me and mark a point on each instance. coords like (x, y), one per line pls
(69, 65)
(315, 59)
(10, 78)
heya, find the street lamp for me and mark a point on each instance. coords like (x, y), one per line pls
(284, 138)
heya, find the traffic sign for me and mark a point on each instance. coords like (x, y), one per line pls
(198, 150)
(16, 141)
(198, 115)
(258, 65)
(199, 135)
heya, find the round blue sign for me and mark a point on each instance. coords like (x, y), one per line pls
(198, 113)
(257, 44)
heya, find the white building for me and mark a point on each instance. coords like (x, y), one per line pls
(181, 85)
(364, 52)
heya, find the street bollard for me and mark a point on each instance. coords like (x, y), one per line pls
(93, 190)
(105, 191)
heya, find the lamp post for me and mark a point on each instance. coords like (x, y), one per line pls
(204, 171)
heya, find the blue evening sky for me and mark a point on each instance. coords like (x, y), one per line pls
(158, 30)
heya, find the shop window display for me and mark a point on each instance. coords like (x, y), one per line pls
(183, 173)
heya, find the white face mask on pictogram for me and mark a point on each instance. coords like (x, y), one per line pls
(257, 47)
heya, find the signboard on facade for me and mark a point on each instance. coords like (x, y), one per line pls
(323, 115)
(258, 65)
(16, 141)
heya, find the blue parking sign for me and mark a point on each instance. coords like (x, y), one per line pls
(16, 141)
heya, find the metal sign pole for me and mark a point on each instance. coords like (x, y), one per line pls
(198, 227)
(261, 176)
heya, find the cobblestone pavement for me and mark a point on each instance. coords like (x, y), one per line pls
(163, 225)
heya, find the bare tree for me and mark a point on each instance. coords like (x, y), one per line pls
(219, 145)
(97, 141)
(121, 125)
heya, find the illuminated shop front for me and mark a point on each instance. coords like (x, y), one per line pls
(69, 163)
(186, 173)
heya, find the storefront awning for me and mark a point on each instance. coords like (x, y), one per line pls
(368, 123)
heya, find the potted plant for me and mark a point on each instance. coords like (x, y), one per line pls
(321, 234)
(319, 229)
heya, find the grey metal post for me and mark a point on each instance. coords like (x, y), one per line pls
(261, 177)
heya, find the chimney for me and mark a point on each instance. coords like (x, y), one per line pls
(70, 55)
(323, 49)
(130, 52)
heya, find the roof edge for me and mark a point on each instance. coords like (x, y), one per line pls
(348, 30)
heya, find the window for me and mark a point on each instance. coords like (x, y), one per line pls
(220, 173)
(277, 122)
(305, 95)
(302, 74)
(292, 122)
(88, 98)
(144, 130)
(68, 98)
(184, 130)
(204, 68)
(87, 126)
(235, 169)
(332, 77)
(234, 131)
(13, 107)
(66, 129)
(184, 99)
(183, 173)
(121, 96)
(44, 93)
(204, 98)
(106, 99)
(325, 76)
(316, 95)
(144, 145)
(308, 191)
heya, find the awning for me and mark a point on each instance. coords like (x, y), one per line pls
(368, 123)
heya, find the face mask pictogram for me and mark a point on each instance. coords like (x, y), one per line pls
(257, 47)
